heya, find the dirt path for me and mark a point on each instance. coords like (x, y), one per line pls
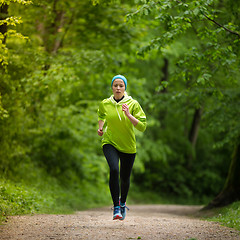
(142, 222)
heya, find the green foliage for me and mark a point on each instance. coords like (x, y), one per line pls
(50, 138)
(15, 1)
(180, 20)
(200, 51)
(3, 112)
(57, 64)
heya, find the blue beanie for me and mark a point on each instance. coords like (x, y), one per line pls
(121, 77)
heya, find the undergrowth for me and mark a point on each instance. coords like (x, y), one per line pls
(16, 199)
(19, 199)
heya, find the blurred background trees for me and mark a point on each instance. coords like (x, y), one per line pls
(181, 61)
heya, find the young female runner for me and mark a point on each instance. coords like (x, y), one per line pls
(121, 113)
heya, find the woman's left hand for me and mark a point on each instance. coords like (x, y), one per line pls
(133, 120)
(125, 109)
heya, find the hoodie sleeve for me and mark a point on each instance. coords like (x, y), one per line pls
(139, 114)
(101, 112)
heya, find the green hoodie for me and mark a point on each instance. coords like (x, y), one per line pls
(120, 131)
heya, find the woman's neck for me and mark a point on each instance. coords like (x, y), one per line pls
(118, 100)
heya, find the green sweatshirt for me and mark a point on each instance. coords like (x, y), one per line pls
(120, 131)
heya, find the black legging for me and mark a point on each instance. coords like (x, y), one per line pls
(126, 163)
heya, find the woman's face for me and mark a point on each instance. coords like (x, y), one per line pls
(118, 88)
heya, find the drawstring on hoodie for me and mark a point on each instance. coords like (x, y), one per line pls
(120, 103)
(118, 113)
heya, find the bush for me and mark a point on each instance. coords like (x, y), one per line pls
(16, 199)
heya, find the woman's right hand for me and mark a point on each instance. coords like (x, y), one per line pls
(100, 131)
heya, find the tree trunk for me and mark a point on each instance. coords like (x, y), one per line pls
(165, 73)
(165, 76)
(231, 189)
(193, 134)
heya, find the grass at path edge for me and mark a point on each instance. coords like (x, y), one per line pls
(228, 216)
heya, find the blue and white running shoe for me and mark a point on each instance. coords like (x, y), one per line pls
(123, 210)
(117, 213)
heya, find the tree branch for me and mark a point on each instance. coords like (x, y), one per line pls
(220, 25)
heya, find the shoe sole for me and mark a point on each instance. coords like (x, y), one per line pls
(117, 217)
(123, 217)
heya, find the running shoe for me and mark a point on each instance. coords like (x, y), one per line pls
(117, 213)
(123, 210)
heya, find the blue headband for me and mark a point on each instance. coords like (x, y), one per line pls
(121, 77)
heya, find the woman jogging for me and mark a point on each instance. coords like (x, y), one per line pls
(121, 114)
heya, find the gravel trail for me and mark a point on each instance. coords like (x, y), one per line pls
(147, 222)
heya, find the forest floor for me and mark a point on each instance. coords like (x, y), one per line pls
(142, 222)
